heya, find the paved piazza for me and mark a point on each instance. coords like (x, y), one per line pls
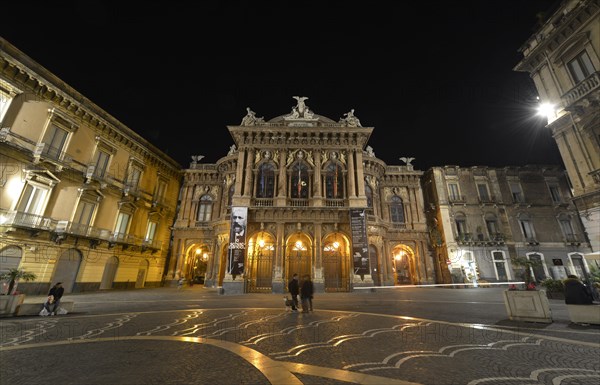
(262, 345)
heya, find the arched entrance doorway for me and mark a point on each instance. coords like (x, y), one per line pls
(67, 268)
(223, 263)
(197, 261)
(298, 255)
(142, 274)
(259, 269)
(375, 268)
(336, 265)
(403, 265)
(110, 271)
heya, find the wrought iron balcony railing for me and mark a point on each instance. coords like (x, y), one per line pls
(18, 219)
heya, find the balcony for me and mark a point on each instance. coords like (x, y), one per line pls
(25, 220)
(457, 199)
(398, 226)
(60, 230)
(298, 202)
(335, 202)
(487, 200)
(263, 202)
(571, 240)
(581, 90)
(54, 155)
(161, 201)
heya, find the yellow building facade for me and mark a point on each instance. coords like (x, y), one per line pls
(84, 200)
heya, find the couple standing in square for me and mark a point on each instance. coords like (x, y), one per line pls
(305, 290)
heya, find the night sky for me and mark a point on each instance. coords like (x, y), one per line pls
(434, 78)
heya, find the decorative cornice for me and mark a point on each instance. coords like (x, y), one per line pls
(28, 75)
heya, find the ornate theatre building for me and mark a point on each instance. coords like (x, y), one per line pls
(301, 193)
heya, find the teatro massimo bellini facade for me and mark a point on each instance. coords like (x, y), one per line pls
(317, 201)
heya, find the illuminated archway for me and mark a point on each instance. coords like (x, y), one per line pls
(336, 262)
(298, 256)
(195, 266)
(403, 265)
(259, 268)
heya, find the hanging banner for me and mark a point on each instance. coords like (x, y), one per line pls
(237, 240)
(360, 243)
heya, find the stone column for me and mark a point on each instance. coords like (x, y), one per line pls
(386, 265)
(278, 266)
(351, 181)
(318, 263)
(239, 172)
(249, 174)
(317, 196)
(282, 180)
(178, 273)
(186, 200)
(360, 176)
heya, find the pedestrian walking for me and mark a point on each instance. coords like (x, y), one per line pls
(306, 294)
(294, 289)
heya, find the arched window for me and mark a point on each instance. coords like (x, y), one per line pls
(205, 208)
(299, 187)
(334, 181)
(397, 209)
(369, 194)
(265, 181)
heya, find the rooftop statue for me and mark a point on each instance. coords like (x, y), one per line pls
(408, 161)
(370, 151)
(250, 119)
(232, 149)
(196, 158)
(300, 111)
(301, 105)
(350, 120)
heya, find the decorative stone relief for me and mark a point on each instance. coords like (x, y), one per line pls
(309, 158)
(293, 155)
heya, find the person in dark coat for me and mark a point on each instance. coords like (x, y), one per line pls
(294, 289)
(54, 296)
(576, 293)
(306, 294)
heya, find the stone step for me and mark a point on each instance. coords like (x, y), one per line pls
(35, 308)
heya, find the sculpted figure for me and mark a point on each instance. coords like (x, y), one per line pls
(250, 119)
(350, 120)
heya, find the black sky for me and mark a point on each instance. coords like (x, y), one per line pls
(434, 78)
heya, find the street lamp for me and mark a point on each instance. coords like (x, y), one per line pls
(548, 110)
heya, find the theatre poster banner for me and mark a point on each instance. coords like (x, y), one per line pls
(360, 243)
(237, 241)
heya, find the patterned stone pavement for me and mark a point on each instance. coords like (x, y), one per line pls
(261, 345)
